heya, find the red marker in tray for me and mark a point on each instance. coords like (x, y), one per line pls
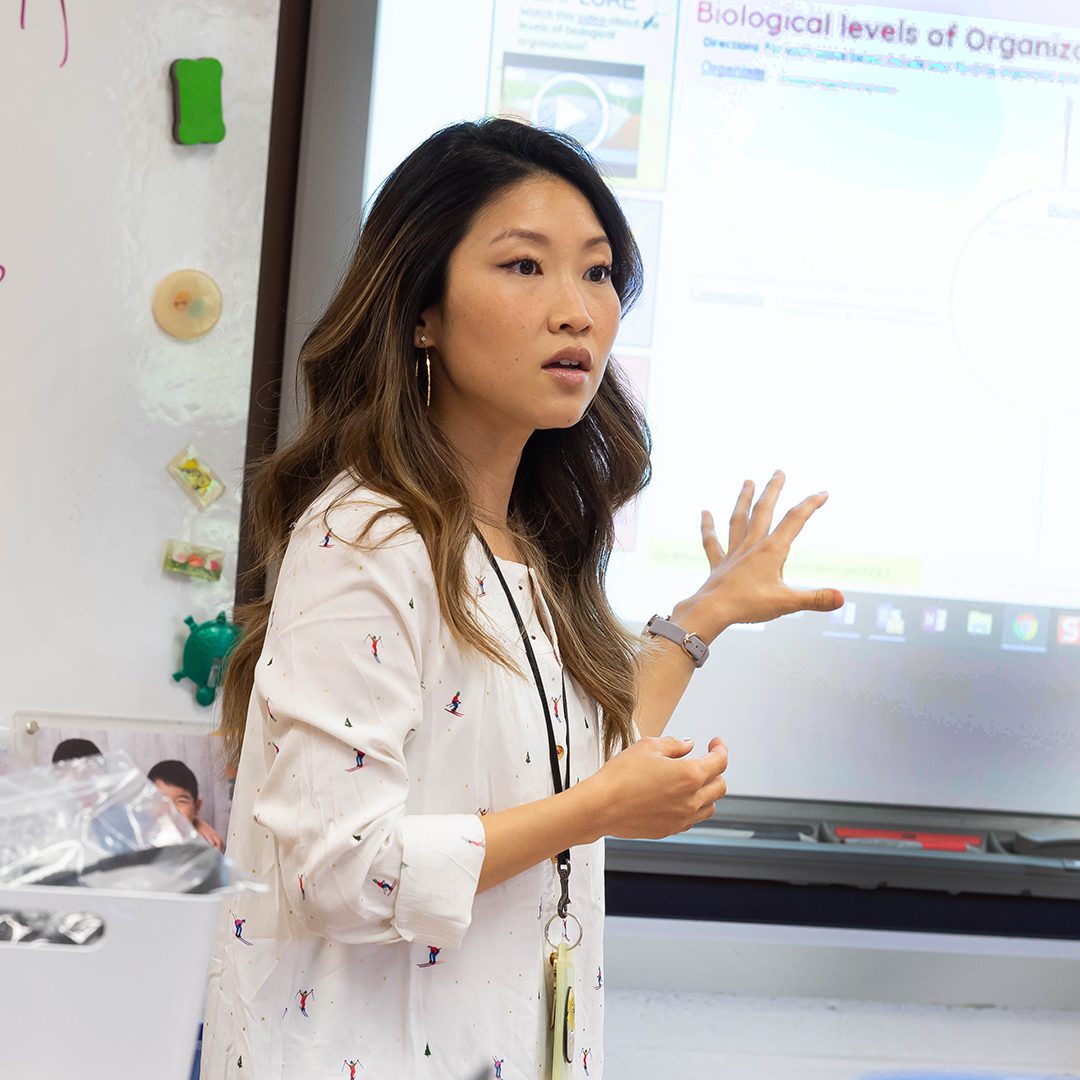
(927, 841)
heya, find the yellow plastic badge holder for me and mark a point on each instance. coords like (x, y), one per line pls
(563, 1050)
(562, 1011)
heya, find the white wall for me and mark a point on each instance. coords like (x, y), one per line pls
(97, 205)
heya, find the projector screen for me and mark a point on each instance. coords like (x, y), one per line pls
(861, 234)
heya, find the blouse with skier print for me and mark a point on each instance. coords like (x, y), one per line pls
(373, 746)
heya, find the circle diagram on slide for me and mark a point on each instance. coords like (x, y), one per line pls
(1015, 291)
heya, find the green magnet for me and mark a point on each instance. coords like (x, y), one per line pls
(197, 101)
(205, 653)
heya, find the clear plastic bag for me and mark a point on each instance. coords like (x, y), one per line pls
(99, 823)
(59, 821)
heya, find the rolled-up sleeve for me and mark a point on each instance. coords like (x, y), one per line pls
(339, 685)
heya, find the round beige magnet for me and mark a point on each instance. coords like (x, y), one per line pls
(187, 304)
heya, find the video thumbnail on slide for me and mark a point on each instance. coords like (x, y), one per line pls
(598, 103)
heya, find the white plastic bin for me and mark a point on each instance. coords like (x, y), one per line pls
(127, 1007)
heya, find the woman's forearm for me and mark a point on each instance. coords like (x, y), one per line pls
(664, 671)
(519, 838)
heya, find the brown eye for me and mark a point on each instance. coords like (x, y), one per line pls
(526, 267)
(599, 274)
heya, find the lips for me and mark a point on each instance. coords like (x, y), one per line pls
(573, 358)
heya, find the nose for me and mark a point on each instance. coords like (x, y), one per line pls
(569, 310)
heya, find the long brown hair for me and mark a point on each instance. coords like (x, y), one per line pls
(366, 415)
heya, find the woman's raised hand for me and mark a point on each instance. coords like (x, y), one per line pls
(651, 789)
(745, 582)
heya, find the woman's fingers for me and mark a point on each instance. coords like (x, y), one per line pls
(818, 600)
(711, 793)
(740, 516)
(762, 515)
(715, 791)
(793, 521)
(713, 551)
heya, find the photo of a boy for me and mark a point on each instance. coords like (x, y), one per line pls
(178, 782)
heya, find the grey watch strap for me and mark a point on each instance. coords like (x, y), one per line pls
(695, 648)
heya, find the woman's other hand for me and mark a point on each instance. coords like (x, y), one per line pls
(745, 582)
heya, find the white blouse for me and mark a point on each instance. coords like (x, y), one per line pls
(373, 746)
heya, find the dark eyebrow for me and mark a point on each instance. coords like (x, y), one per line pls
(540, 238)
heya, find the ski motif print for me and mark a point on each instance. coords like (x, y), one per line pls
(409, 645)
(238, 928)
(325, 542)
(433, 957)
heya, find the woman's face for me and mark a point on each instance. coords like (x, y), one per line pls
(529, 284)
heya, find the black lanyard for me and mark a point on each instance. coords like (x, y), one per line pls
(563, 858)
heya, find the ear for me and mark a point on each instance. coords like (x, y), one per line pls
(198, 806)
(425, 333)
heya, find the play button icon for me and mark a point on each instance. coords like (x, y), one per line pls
(574, 104)
(567, 114)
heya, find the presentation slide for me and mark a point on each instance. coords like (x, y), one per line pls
(861, 233)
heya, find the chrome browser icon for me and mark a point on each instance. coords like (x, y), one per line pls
(1025, 627)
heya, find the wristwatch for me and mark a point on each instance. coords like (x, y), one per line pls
(696, 649)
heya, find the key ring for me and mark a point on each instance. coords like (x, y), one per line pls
(568, 944)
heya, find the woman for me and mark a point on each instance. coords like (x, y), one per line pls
(439, 662)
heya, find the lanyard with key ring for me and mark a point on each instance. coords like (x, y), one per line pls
(563, 1011)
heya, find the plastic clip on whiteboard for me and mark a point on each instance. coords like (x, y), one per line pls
(198, 480)
(193, 561)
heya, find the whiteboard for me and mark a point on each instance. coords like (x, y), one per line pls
(97, 205)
